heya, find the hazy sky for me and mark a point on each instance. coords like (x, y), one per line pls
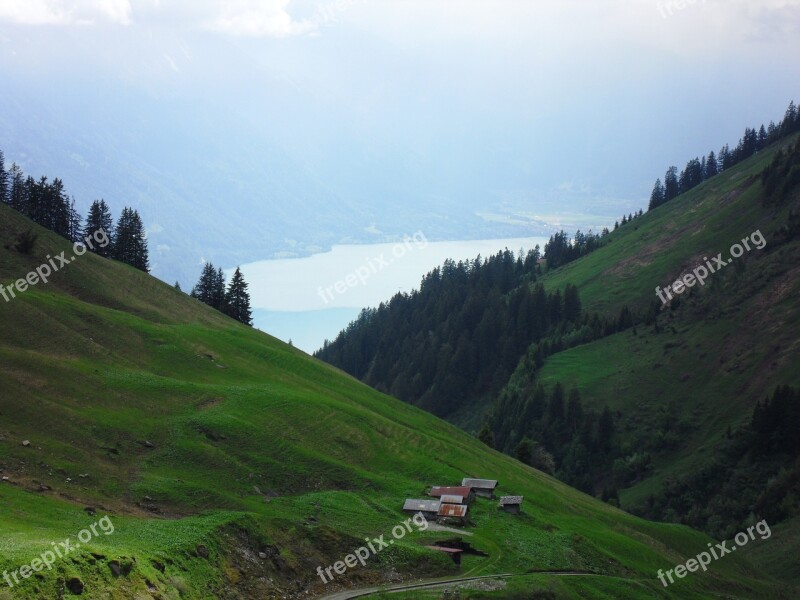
(535, 108)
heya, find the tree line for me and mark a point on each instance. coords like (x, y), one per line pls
(47, 203)
(698, 169)
(233, 301)
(562, 249)
(457, 339)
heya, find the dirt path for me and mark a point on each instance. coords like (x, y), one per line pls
(437, 527)
(435, 583)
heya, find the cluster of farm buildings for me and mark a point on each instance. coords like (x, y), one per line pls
(451, 504)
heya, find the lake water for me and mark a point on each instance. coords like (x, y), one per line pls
(308, 300)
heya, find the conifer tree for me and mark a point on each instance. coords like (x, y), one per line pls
(99, 219)
(237, 299)
(712, 168)
(130, 241)
(671, 184)
(205, 290)
(4, 181)
(18, 191)
(218, 297)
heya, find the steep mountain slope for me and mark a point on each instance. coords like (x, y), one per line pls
(715, 352)
(639, 401)
(232, 465)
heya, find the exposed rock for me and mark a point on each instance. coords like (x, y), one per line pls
(75, 586)
(26, 443)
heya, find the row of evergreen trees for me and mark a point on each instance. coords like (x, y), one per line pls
(459, 337)
(562, 249)
(558, 435)
(233, 301)
(699, 170)
(48, 204)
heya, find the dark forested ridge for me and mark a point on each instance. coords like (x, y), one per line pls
(457, 340)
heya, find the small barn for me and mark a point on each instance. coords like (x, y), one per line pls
(428, 508)
(511, 504)
(483, 488)
(453, 512)
(449, 499)
(467, 493)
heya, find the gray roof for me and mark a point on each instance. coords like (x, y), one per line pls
(488, 484)
(422, 505)
(451, 499)
(510, 500)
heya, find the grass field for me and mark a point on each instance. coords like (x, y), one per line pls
(233, 465)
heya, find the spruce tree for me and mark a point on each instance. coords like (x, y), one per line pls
(18, 191)
(671, 184)
(130, 241)
(712, 168)
(206, 285)
(237, 299)
(218, 298)
(74, 222)
(99, 219)
(4, 181)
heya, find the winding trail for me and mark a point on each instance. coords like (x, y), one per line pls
(435, 583)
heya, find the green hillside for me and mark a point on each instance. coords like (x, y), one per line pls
(720, 349)
(232, 465)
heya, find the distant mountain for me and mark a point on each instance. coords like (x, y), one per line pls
(233, 183)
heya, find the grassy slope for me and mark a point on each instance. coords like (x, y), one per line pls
(707, 369)
(257, 447)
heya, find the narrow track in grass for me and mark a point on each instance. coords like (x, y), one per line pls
(434, 583)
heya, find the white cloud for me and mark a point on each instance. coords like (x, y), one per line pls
(65, 12)
(255, 18)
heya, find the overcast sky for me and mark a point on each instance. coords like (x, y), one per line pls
(579, 103)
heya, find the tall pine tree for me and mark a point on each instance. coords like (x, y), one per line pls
(658, 195)
(206, 289)
(130, 241)
(671, 184)
(99, 219)
(4, 180)
(237, 300)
